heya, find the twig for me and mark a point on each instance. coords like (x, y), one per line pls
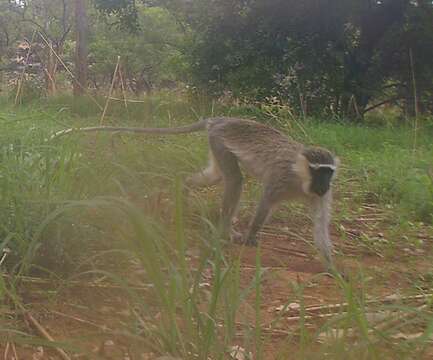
(123, 89)
(253, 267)
(394, 98)
(399, 319)
(371, 207)
(6, 251)
(389, 300)
(14, 351)
(52, 80)
(367, 219)
(111, 90)
(287, 232)
(127, 100)
(293, 252)
(317, 312)
(44, 333)
(69, 71)
(71, 283)
(292, 319)
(6, 352)
(83, 321)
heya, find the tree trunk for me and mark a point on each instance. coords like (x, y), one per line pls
(81, 50)
(50, 71)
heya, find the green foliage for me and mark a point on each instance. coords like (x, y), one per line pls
(124, 10)
(384, 160)
(29, 89)
(151, 57)
(320, 57)
(339, 58)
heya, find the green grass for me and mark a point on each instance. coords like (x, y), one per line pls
(62, 200)
(384, 162)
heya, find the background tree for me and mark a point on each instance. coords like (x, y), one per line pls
(340, 57)
(51, 20)
(81, 47)
(151, 57)
(327, 57)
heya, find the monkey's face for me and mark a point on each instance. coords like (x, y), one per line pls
(321, 177)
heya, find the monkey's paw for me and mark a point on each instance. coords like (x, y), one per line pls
(250, 241)
(236, 237)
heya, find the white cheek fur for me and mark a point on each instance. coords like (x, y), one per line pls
(301, 168)
(321, 166)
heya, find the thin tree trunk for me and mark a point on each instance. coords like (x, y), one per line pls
(81, 50)
(50, 71)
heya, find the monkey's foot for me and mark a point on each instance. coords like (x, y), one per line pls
(337, 272)
(250, 241)
(236, 237)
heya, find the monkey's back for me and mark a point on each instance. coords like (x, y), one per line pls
(261, 149)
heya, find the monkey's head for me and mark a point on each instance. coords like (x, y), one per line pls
(321, 167)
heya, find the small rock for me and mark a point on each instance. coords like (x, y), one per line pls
(39, 354)
(294, 306)
(147, 356)
(239, 353)
(109, 350)
(334, 334)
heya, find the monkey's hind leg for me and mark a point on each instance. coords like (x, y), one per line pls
(232, 176)
(207, 177)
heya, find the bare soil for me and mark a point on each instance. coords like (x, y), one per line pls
(90, 318)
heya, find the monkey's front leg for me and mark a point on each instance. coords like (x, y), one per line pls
(321, 214)
(266, 205)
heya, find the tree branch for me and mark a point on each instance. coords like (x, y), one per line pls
(393, 85)
(394, 98)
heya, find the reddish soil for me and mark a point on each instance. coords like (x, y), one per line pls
(91, 318)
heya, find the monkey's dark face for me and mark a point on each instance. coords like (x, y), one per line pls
(321, 176)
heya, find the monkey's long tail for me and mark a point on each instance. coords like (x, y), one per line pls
(198, 126)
